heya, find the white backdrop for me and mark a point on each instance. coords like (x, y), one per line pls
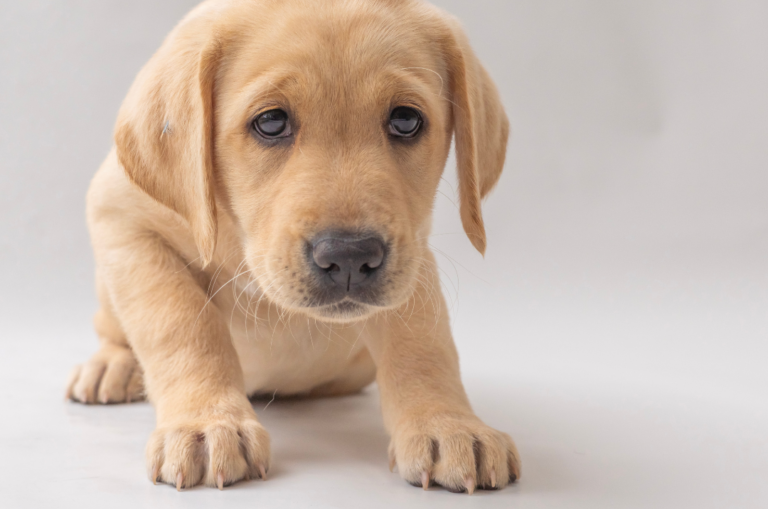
(617, 327)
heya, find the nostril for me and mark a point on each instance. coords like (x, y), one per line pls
(375, 260)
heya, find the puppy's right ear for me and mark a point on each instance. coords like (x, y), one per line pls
(164, 131)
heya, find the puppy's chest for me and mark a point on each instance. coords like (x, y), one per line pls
(289, 353)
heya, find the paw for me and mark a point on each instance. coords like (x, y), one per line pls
(216, 452)
(459, 453)
(112, 375)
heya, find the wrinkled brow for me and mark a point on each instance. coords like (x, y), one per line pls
(419, 85)
(272, 88)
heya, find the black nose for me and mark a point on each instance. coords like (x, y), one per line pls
(350, 261)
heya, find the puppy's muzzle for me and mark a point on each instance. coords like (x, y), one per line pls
(347, 265)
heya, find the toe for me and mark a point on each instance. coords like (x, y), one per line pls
(73, 377)
(114, 382)
(255, 444)
(184, 458)
(155, 455)
(87, 385)
(414, 456)
(513, 459)
(225, 460)
(456, 469)
(491, 459)
(135, 389)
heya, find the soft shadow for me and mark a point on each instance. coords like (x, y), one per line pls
(324, 430)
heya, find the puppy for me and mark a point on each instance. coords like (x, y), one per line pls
(261, 228)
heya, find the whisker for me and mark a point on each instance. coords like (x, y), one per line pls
(442, 83)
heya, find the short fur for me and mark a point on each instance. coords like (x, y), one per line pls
(198, 229)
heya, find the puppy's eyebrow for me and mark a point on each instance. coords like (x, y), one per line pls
(266, 86)
(442, 82)
(410, 87)
(415, 80)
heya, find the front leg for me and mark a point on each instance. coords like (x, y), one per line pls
(207, 430)
(435, 434)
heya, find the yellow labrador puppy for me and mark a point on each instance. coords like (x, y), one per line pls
(261, 228)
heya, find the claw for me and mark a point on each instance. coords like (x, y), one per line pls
(179, 481)
(470, 484)
(263, 472)
(155, 472)
(425, 480)
(220, 481)
(104, 398)
(392, 464)
(493, 478)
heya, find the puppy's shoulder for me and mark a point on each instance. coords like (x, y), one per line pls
(116, 206)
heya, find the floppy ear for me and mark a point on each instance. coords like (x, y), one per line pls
(481, 130)
(164, 132)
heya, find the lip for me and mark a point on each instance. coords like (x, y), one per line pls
(336, 297)
(345, 305)
(343, 309)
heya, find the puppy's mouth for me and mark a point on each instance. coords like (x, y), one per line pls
(318, 295)
(344, 310)
(335, 301)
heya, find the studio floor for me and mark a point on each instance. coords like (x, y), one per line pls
(590, 435)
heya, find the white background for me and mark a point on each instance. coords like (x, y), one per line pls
(617, 326)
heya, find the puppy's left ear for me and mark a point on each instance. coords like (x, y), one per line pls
(481, 130)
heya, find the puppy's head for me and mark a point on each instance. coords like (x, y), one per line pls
(323, 128)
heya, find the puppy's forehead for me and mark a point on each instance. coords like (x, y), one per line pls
(337, 29)
(349, 51)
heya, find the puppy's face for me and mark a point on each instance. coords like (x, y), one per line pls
(331, 140)
(323, 128)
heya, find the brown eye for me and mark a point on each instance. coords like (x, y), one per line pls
(404, 122)
(273, 124)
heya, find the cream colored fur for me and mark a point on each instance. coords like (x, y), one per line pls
(198, 232)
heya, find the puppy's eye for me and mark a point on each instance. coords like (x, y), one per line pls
(404, 122)
(273, 124)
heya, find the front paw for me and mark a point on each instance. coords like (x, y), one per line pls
(112, 375)
(218, 451)
(457, 452)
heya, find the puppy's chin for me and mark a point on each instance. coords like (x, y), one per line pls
(344, 311)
